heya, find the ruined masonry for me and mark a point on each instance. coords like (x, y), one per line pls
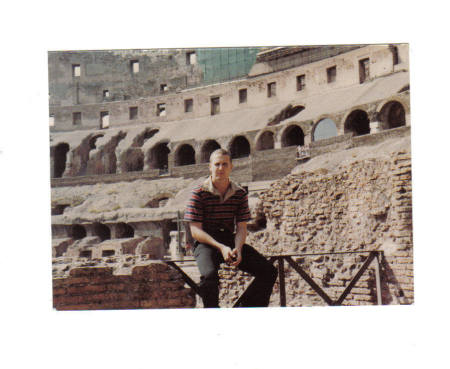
(320, 137)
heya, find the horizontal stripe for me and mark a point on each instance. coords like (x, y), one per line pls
(205, 207)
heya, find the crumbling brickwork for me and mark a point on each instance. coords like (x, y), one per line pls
(151, 286)
(362, 207)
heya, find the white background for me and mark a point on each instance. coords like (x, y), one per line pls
(34, 335)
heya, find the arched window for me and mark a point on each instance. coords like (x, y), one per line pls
(392, 115)
(160, 156)
(357, 123)
(185, 155)
(326, 128)
(60, 159)
(239, 147)
(265, 141)
(207, 148)
(124, 230)
(102, 231)
(293, 136)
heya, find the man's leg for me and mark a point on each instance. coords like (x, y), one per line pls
(208, 261)
(265, 276)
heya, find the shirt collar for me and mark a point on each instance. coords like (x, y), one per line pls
(232, 189)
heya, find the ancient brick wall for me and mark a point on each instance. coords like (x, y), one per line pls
(365, 206)
(154, 285)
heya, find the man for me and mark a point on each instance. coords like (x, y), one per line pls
(215, 210)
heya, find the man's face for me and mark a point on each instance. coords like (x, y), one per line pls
(220, 167)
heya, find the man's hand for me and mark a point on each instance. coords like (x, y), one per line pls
(227, 254)
(237, 257)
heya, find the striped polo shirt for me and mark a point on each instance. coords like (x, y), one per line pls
(207, 206)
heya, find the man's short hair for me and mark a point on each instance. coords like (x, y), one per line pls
(220, 152)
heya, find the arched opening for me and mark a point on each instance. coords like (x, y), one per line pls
(293, 136)
(162, 202)
(392, 115)
(265, 141)
(140, 139)
(132, 160)
(207, 148)
(357, 123)
(326, 128)
(160, 156)
(124, 230)
(239, 147)
(92, 142)
(60, 159)
(185, 155)
(102, 231)
(77, 232)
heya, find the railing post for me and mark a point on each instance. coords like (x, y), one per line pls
(377, 278)
(282, 281)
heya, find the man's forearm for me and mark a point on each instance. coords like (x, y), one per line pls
(203, 237)
(241, 235)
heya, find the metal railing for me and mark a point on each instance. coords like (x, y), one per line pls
(373, 256)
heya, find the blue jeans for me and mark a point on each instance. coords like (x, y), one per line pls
(208, 260)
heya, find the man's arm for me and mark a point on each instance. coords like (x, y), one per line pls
(239, 240)
(203, 237)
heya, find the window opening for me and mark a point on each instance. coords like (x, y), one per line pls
(271, 89)
(331, 74)
(215, 105)
(76, 118)
(191, 58)
(106, 253)
(76, 70)
(134, 66)
(301, 82)
(105, 94)
(161, 110)
(133, 112)
(163, 88)
(363, 70)
(188, 105)
(86, 254)
(104, 119)
(242, 95)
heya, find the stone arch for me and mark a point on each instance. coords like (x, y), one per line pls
(206, 150)
(392, 115)
(357, 123)
(159, 156)
(324, 128)
(292, 136)
(124, 230)
(239, 147)
(159, 201)
(140, 139)
(77, 232)
(102, 231)
(60, 159)
(265, 141)
(184, 155)
(132, 160)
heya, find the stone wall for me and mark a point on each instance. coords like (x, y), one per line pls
(91, 103)
(154, 285)
(365, 206)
